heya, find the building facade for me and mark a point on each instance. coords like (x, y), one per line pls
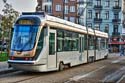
(123, 20)
(106, 15)
(103, 15)
(65, 9)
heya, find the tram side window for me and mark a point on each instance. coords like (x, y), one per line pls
(85, 42)
(102, 44)
(97, 43)
(81, 44)
(106, 43)
(41, 39)
(52, 44)
(60, 40)
(67, 41)
(75, 44)
(91, 42)
(40, 42)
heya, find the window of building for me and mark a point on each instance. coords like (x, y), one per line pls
(98, 2)
(81, 21)
(107, 15)
(49, 0)
(90, 2)
(72, 8)
(58, 7)
(97, 26)
(72, 0)
(116, 3)
(97, 14)
(107, 3)
(115, 29)
(106, 28)
(72, 19)
(80, 11)
(66, 1)
(49, 9)
(116, 15)
(89, 25)
(66, 18)
(89, 15)
(66, 9)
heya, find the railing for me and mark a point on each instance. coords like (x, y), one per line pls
(116, 20)
(80, 1)
(116, 8)
(98, 7)
(114, 34)
(97, 20)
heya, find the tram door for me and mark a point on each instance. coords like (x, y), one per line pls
(52, 49)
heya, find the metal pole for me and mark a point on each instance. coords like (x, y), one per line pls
(87, 32)
(63, 9)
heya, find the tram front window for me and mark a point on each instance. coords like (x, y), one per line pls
(24, 37)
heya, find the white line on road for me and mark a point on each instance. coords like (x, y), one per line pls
(114, 76)
(116, 61)
(121, 79)
(78, 77)
(120, 59)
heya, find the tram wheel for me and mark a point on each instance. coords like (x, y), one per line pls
(61, 66)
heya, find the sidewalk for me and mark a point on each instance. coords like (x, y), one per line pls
(4, 68)
(3, 65)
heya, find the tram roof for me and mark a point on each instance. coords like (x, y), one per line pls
(101, 34)
(64, 24)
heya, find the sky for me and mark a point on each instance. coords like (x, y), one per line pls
(21, 5)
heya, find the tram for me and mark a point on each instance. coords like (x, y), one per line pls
(44, 43)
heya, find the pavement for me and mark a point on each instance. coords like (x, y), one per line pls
(3, 65)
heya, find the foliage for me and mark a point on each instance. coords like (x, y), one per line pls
(8, 18)
(3, 56)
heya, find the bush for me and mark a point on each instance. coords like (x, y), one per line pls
(3, 56)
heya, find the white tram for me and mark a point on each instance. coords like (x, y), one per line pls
(44, 43)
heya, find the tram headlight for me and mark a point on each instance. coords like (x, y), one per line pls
(12, 58)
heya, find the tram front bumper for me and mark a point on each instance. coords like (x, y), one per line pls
(28, 66)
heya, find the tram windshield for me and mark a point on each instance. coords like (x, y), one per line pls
(24, 34)
(24, 37)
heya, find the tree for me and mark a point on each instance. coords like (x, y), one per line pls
(9, 17)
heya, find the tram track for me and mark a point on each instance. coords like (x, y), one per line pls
(63, 76)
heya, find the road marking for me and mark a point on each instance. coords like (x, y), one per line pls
(78, 77)
(121, 79)
(116, 61)
(114, 76)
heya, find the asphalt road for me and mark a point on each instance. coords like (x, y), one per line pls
(111, 70)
